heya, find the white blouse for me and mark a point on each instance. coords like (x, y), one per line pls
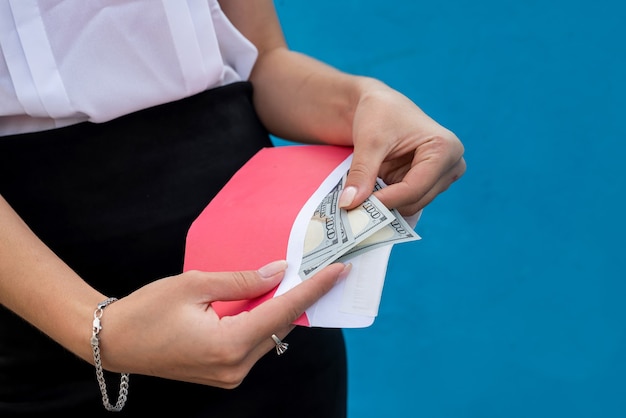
(69, 61)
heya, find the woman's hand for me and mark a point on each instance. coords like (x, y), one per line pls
(395, 140)
(302, 99)
(169, 329)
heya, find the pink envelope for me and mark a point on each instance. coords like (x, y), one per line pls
(248, 224)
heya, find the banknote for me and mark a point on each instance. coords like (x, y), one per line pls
(354, 226)
(324, 234)
(396, 232)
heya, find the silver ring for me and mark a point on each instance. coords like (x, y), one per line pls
(281, 347)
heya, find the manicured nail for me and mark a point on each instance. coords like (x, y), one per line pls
(347, 196)
(272, 269)
(347, 268)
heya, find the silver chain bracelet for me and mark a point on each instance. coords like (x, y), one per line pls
(95, 345)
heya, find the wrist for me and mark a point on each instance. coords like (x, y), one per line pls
(95, 345)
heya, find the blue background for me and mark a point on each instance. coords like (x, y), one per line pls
(513, 304)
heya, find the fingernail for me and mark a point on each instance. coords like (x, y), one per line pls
(347, 268)
(272, 269)
(347, 196)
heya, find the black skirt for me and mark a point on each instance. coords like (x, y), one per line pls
(115, 201)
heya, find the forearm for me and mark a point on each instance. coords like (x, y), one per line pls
(39, 287)
(302, 99)
(297, 97)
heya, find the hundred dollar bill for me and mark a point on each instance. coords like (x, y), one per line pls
(396, 232)
(359, 223)
(324, 234)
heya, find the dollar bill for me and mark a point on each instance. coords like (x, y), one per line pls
(354, 225)
(396, 232)
(335, 234)
(324, 235)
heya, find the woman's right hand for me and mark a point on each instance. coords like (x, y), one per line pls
(169, 329)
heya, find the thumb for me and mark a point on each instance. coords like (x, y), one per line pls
(249, 284)
(361, 178)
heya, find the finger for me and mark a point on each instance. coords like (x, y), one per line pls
(417, 173)
(274, 314)
(267, 344)
(442, 185)
(241, 285)
(362, 175)
(414, 192)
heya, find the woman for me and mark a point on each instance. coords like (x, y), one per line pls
(120, 122)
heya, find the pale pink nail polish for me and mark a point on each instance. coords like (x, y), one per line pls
(347, 268)
(272, 269)
(347, 196)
